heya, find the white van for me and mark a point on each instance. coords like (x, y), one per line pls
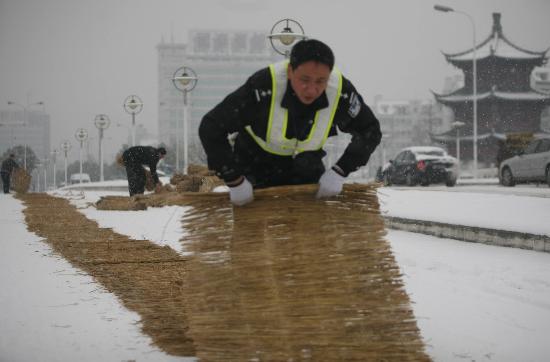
(75, 178)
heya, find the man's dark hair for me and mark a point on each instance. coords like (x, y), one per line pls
(311, 50)
(161, 150)
(12, 155)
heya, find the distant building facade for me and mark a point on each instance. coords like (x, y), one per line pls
(31, 128)
(223, 60)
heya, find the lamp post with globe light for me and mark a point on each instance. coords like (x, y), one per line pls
(282, 33)
(66, 147)
(81, 135)
(38, 164)
(447, 9)
(185, 79)
(133, 105)
(54, 162)
(46, 162)
(457, 125)
(101, 122)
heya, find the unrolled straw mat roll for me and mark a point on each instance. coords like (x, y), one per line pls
(288, 278)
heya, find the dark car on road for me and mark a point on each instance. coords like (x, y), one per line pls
(422, 165)
(530, 165)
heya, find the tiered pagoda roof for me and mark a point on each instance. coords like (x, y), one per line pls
(495, 45)
(506, 101)
(459, 97)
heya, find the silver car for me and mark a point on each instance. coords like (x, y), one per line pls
(531, 165)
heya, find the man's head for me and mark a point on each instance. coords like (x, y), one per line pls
(12, 155)
(311, 62)
(161, 151)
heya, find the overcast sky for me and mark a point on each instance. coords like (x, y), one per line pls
(83, 57)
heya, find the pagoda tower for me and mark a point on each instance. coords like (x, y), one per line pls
(506, 103)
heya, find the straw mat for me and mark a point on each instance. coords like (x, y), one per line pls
(284, 278)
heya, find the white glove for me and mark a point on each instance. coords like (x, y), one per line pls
(241, 194)
(330, 184)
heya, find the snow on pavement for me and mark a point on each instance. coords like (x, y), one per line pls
(472, 301)
(526, 214)
(54, 312)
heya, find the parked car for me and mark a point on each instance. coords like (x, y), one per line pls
(422, 165)
(531, 165)
(75, 178)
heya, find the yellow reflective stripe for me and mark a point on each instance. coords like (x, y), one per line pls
(335, 106)
(276, 141)
(285, 126)
(273, 94)
(265, 146)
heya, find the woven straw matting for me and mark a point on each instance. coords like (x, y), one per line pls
(20, 180)
(147, 278)
(286, 277)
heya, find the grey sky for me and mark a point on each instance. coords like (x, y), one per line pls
(83, 57)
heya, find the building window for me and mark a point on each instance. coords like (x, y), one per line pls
(238, 43)
(201, 42)
(221, 43)
(257, 43)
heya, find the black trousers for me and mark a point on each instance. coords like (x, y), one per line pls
(6, 181)
(136, 178)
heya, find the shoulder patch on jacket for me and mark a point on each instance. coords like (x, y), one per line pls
(354, 105)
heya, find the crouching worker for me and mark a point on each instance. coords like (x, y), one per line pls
(134, 158)
(282, 117)
(8, 165)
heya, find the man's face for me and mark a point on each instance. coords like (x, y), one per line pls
(309, 80)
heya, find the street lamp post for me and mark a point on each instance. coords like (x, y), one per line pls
(81, 135)
(133, 105)
(385, 137)
(185, 79)
(457, 125)
(447, 9)
(102, 122)
(37, 170)
(25, 121)
(283, 33)
(46, 161)
(66, 146)
(54, 158)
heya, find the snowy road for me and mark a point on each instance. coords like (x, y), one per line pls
(520, 190)
(472, 302)
(476, 302)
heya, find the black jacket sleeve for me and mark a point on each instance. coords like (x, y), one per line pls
(223, 120)
(356, 118)
(153, 169)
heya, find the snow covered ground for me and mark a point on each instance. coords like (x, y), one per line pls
(472, 301)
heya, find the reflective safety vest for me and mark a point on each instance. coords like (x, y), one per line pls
(275, 140)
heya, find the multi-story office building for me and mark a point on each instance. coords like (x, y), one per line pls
(31, 128)
(223, 60)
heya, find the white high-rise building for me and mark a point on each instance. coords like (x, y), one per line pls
(222, 60)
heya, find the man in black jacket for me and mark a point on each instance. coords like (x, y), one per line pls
(134, 158)
(8, 166)
(271, 130)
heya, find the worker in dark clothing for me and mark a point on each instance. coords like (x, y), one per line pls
(272, 129)
(8, 166)
(134, 158)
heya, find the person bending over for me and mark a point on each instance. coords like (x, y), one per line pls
(134, 158)
(271, 130)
